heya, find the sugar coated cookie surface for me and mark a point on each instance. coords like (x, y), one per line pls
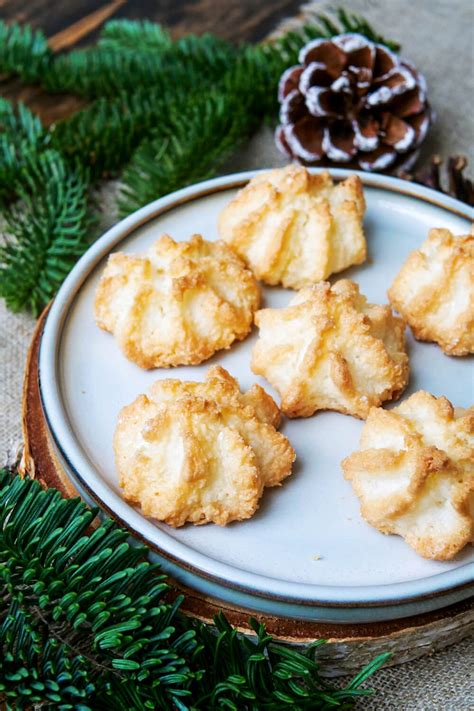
(414, 474)
(200, 452)
(434, 291)
(294, 228)
(177, 304)
(329, 349)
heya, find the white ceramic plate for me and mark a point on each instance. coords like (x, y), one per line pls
(307, 552)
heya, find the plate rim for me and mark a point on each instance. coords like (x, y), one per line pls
(306, 594)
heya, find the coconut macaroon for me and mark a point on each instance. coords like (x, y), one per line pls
(294, 228)
(177, 304)
(414, 474)
(200, 452)
(330, 349)
(434, 291)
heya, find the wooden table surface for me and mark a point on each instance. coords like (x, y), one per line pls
(74, 23)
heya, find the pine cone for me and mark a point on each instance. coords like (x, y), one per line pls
(352, 101)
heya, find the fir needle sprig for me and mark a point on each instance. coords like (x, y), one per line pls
(23, 51)
(22, 136)
(144, 34)
(45, 231)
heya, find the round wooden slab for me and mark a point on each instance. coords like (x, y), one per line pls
(349, 646)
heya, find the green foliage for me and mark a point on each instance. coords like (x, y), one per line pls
(138, 34)
(35, 668)
(86, 622)
(103, 135)
(166, 112)
(23, 51)
(94, 597)
(188, 148)
(21, 138)
(350, 22)
(202, 129)
(46, 230)
(237, 676)
(106, 69)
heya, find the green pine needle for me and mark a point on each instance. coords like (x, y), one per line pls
(135, 34)
(23, 51)
(109, 68)
(165, 162)
(84, 624)
(22, 136)
(103, 135)
(196, 139)
(45, 232)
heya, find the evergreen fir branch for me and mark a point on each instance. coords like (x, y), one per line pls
(37, 669)
(88, 592)
(23, 51)
(18, 122)
(22, 136)
(134, 34)
(45, 231)
(190, 147)
(238, 673)
(103, 135)
(202, 130)
(84, 625)
(105, 70)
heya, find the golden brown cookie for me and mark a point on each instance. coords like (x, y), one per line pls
(434, 291)
(177, 304)
(200, 452)
(414, 474)
(331, 350)
(295, 228)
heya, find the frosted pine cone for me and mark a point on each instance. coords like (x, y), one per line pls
(352, 101)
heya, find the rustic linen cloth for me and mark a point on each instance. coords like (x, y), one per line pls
(437, 36)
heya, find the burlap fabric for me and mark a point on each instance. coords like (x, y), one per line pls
(437, 36)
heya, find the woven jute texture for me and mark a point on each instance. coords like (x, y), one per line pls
(437, 36)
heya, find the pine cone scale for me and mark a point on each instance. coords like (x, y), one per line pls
(420, 123)
(324, 52)
(385, 61)
(339, 142)
(315, 74)
(293, 107)
(324, 102)
(409, 104)
(366, 130)
(379, 159)
(398, 134)
(289, 81)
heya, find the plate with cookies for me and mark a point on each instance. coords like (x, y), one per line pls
(268, 378)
